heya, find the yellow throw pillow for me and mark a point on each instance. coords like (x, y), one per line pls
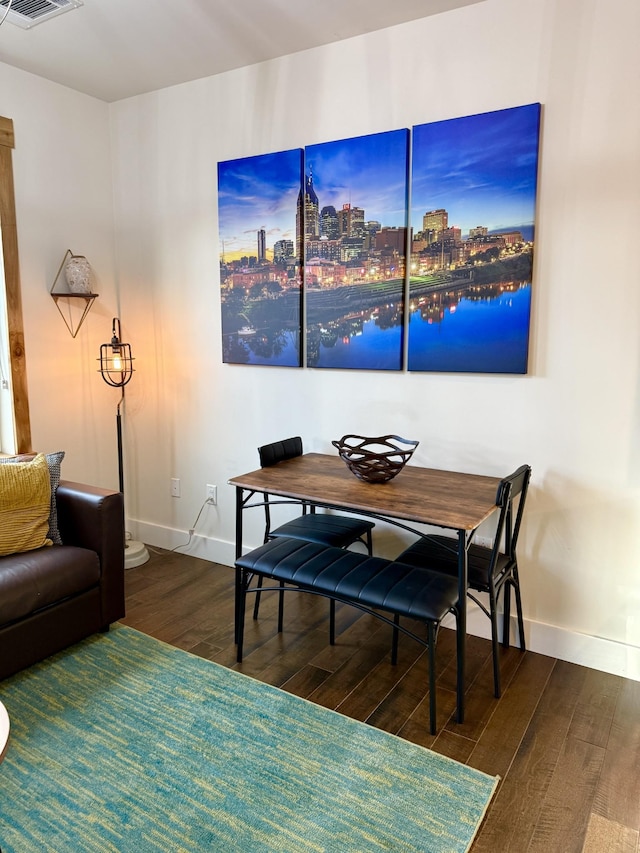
(25, 496)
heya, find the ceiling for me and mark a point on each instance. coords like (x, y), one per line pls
(114, 49)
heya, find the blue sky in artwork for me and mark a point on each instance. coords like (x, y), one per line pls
(482, 169)
(258, 192)
(370, 172)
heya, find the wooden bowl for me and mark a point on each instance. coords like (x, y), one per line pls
(375, 460)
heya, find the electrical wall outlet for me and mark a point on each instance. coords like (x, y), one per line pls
(175, 487)
(212, 494)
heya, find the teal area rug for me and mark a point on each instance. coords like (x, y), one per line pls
(123, 743)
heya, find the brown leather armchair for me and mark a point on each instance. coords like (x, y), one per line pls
(55, 596)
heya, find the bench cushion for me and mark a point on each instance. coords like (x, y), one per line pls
(373, 582)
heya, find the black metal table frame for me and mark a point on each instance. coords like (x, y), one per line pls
(464, 538)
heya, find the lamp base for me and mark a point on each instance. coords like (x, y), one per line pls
(135, 554)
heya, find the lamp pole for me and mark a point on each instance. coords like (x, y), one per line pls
(119, 434)
(116, 368)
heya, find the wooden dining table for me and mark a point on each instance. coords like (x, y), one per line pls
(449, 500)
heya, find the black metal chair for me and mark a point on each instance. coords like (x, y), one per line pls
(490, 569)
(338, 531)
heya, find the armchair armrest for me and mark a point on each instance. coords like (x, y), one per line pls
(93, 518)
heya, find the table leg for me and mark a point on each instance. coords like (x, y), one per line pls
(239, 510)
(461, 639)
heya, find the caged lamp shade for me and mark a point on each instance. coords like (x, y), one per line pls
(116, 361)
(116, 368)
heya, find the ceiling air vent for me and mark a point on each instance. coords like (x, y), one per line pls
(28, 13)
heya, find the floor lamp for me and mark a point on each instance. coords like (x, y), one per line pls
(116, 368)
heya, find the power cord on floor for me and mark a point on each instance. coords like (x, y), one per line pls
(192, 529)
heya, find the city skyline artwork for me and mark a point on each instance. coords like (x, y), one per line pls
(333, 220)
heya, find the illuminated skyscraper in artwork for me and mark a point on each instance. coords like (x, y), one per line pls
(351, 221)
(329, 223)
(282, 249)
(434, 222)
(262, 245)
(307, 213)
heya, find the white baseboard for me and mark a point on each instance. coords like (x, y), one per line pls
(205, 547)
(593, 652)
(583, 649)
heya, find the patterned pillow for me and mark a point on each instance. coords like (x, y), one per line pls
(25, 500)
(54, 461)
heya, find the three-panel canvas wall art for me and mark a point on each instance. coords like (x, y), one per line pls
(391, 250)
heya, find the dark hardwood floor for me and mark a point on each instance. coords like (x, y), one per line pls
(565, 740)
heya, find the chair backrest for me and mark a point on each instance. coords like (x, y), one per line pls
(278, 451)
(511, 491)
(271, 454)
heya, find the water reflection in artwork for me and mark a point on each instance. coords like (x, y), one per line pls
(475, 329)
(458, 329)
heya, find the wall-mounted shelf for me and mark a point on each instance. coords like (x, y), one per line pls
(72, 300)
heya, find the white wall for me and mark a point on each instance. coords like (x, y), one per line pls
(7, 423)
(62, 175)
(575, 418)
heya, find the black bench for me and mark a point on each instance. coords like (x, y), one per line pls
(371, 584)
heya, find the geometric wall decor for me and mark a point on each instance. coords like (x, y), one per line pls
(473, 201)
(260, 259)
(354, 208)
